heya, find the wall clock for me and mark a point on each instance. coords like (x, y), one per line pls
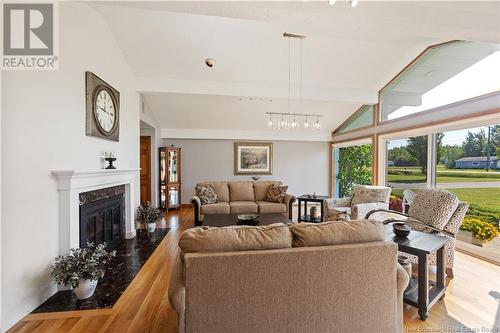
(102, 108)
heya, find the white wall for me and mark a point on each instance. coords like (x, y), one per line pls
(152, 128)
(303, 166)
(43, 128)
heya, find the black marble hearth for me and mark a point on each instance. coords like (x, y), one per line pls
(131, 254)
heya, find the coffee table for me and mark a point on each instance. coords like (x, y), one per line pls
(224, 220)
(421, 292)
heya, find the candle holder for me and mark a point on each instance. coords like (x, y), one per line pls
(110, 160)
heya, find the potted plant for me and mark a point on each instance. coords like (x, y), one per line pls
(82, 268)
(395, 203)
(477, 232)
(147, 215)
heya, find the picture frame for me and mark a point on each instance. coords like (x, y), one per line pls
(253, 158)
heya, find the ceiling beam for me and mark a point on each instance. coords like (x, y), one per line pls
(241, 89)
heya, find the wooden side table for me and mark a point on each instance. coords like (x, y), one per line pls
(304, 199)
(421, 292)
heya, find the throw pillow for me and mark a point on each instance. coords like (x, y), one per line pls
(276, 193)
(206, 194)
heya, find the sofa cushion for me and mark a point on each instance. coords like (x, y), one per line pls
(241, 191)
(334, 233)
(261, 187)
(368, 194)
(276, 193)
(241, 207)
(433, 207)
(206, 194)
(271, 207)
(220, 188)
(215, 208)
(235, 238)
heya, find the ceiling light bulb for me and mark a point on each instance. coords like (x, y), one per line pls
(270, 122)
(354, 3)
(282, 121)
(317, 124)
(294, 124)
(306, 124)
(332, 2)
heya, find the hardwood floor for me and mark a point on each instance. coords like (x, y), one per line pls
(472, 299)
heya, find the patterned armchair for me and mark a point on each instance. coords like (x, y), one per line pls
(364, 199)
(437, 212)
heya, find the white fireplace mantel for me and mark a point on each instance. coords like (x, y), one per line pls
(70, 183)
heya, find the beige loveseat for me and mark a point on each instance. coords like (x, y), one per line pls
(241, 197)
(302, 277)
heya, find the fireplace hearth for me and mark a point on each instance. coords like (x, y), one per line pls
(102, 215)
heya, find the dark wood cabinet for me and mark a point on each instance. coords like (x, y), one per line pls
(170, 177)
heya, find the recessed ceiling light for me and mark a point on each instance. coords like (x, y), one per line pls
(354, 3)
(210, 62)
(332, 2)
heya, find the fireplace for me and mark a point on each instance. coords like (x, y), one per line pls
(102, 216)
(79, 188)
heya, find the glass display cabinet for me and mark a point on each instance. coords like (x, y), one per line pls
(170, 177)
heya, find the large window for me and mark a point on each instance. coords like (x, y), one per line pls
(444, 74)
(464, 161)
(407, 163)
(468, 164)
(362, 118)
(352, 166)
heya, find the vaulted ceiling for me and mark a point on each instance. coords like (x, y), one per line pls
(349, 55)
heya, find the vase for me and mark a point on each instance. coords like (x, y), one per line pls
(152, 227)
(405, 262)
(85, 289)
(313, 213)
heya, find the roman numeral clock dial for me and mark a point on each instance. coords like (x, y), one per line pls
(102, 108)
(105, 111)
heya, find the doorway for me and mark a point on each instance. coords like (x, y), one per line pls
(145, 163)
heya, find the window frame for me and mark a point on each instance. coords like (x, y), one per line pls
(431, 132)
(370, 139)
(353, 116)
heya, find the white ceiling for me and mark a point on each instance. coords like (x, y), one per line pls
(349, 55)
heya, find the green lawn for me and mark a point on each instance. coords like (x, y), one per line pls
(484, 202)
(413, 175)
(406, 179)
(485, 197)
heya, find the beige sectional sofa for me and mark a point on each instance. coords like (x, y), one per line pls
(241, 197)
(301, 277)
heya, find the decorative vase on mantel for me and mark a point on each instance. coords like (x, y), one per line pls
(110, 161)
(110, 158)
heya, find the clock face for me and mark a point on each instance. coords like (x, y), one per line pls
(105, 111)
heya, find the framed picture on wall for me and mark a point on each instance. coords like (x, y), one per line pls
(253, 158)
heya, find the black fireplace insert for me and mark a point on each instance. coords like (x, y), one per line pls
(102, 217)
